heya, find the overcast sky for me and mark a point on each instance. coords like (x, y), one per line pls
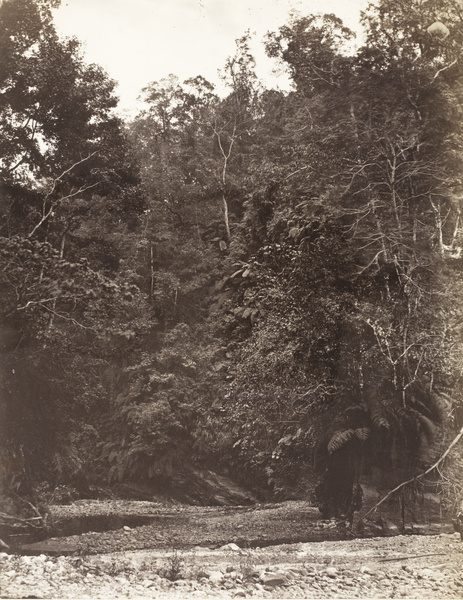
(139, 41)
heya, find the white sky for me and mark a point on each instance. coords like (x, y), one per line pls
(140, 41)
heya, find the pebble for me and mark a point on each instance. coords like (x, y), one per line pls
(364, 569)
(232, 547)
(331, 571)
(273, 579)
(11, 573)
(215, 576)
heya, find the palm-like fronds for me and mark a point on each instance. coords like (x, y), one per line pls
(339, 439)
(363, 433)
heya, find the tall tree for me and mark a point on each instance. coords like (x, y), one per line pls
(65, 312)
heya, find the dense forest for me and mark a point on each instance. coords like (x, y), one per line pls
(262, 284)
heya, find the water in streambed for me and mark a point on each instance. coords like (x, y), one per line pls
(83, 524)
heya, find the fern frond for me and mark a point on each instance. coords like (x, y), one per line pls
(378, 418)
(362, 433)
(383, 422)
(339, 439)
(376, 411)
(355, 414)
(420, 406)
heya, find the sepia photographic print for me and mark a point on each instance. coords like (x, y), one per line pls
(231, 299)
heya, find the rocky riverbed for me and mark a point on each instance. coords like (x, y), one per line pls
(158, 550)
(396, 567)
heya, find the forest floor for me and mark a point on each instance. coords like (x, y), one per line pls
(217, 552)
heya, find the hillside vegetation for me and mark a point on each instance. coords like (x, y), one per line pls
(264, 285)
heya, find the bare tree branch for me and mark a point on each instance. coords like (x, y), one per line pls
(46, 213)
(417, 477)
(61, 316)
(444, 69)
